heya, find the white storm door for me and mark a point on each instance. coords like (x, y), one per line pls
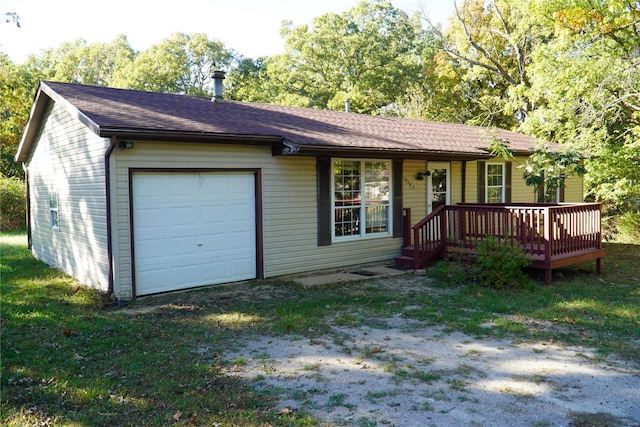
(192, 229)
(438, 185)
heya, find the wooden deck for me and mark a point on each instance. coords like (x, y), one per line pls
(551, 235)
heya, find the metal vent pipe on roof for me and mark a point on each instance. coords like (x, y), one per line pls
(218, 86)
(347, 104)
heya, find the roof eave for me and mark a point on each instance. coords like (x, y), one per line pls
(44, 95)
(338, 151)
(167, 135)
(38, 108)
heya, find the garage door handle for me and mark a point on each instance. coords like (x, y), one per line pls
(199, 244)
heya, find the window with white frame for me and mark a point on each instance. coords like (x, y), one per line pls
(361, 199)
(53, 210)
(495, 183)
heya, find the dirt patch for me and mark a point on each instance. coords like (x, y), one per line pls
(398, 371)
(402, 373)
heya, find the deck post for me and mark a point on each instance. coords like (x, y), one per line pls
(417, 253)
(443, 232)
(406, 227)
(548, 247)
(548, 234)
(462, 237)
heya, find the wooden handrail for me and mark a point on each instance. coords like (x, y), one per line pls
(429, 240)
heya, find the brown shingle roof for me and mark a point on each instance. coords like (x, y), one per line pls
(128, 112)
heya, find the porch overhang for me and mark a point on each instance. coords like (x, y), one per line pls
(288, 149)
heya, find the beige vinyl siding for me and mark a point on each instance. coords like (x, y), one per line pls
(574, 190)
(288, 200)
(456, 182)
(520, 192)
(471, 185)
(414, 192)
(69, 159)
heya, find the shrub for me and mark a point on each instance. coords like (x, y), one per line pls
(451, 271)
(627, 227)
(12, 204)
(499, 266)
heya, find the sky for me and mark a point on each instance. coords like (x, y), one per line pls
(250, 27)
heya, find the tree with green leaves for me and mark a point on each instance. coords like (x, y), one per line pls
(83, 63)
(484, 61)
(17, 87)
(180, 64)
(546, 170)
(370, 54)
(586, 82)
(249, 81)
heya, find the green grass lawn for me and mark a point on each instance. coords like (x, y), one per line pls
(68, 358)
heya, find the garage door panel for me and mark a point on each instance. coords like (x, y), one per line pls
(241, 213)
(213, 214)
(215, 272)
(193, 229)
(241, 240)
(214, 244)
(150, 187)
(182, 215)
(183, 186)
(185, 276)
(184, 246)
(213, 185)
(156, 280)
(151, 217)
(241, 267)
(151, 249)
(236, 184)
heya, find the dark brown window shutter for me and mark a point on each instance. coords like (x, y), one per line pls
(561, 192)
(482, 182)
(396, 170)
(508, 177)
(323, 173)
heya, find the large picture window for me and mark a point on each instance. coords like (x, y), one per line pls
(361, 198)
(495, 183)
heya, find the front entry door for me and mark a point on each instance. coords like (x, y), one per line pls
(438, 185)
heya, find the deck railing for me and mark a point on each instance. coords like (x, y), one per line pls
(544, 231)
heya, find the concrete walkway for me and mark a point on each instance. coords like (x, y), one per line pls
(357, 273)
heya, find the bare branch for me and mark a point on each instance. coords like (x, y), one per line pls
(12, 17)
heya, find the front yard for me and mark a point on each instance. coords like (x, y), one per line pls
(386, 351)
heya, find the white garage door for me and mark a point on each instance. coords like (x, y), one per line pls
(192, 229)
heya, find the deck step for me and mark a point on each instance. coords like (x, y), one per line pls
(408, 251)
(405, 261)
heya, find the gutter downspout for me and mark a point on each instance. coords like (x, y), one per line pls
(27, 205)
(107, 168)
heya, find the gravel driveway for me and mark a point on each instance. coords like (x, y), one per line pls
(401, 372)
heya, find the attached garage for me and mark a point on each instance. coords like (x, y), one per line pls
(192, 229)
